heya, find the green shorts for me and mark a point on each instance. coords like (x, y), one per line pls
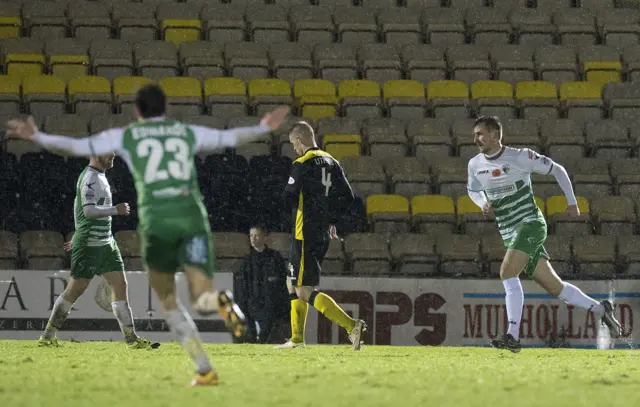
(171, 242)
(90, 261)
(529, 238)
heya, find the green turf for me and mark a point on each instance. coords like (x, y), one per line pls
(329, 376)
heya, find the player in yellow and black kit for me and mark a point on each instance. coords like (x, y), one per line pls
(318, 194)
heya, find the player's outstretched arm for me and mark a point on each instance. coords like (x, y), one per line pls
(211, 139)
(100, 144)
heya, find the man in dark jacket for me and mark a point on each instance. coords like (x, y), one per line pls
(260, 289)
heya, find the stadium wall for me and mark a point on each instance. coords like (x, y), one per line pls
(398, 311)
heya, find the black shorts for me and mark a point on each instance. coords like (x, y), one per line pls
(305, 261)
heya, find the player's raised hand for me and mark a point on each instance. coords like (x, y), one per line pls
(68, 246)
(24, 129)
(572, 210)
(123, 209)
(487, 210)
(275, 118)
(333, 232)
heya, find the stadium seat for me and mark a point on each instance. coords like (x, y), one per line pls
(369, 254)
(537, 100)
(448, 99)
(590, 176)
(629, 255)
(443, 26)
(471, 218)
(600, 63)
(532, 27)
(229, 248)
(559, 249)
(615, 215)
(626, 173)
(415, 254)
(575, 27)
(469, 63)
(8, 250)
(460, 255)
(355, 25)
(409, 177)
(493, 251)
(311, 24)
(365, 174)
(379, 62)
(101, 123)
(291, 61)
(124, 89)
(433, 214)
(111, 58)
(90, 95)
(68, 125)
(521, 133)
(184, 95)
(622, 101)
(462, 133)
(389, 213)
(385, 137)
(247, 60)
(405, 99)
(42, 250)
(360, 98)
(488, 26)
(334, 260)
(44, 95)
(223, 22)
(595, 257)
(201, 59)
(339, 125)
(424, 63)
(156, 59)
(513, 63)
(9, 95)
(341, 150)
(431, 138)
(316, 97)
(451, 175)
(265, 94)
(400, 26)
(225, 97)
(336, 62)
(89, 20)
(10, 21)
(609, 139)
(129, 244)
(267, 24)
(565, 225)
(563, 139)
(67, 58)
(618, 27)
(179, 24)
(556, 63)
(45, 19)
(23, 57)
(582, 100)
(493, 98)
(135, 22)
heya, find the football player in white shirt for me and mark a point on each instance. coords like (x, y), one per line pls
(499, 182)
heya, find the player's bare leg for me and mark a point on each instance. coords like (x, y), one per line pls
(183, 327)
(514, 262)
(299, 309)
(61, 308)
(330, 309)
(547, 278)
(117, 282)
(205, 301)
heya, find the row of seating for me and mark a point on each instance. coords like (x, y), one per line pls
(368, 253)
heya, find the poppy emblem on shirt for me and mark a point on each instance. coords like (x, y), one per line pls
(496, 172)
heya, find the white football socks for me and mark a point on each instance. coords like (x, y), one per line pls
(515, 302)
(59, 314)
(123, 314)
(574, 296)
(185, 330)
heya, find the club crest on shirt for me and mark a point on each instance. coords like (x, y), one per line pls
(291, 181)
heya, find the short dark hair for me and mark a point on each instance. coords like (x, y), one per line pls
(302, 128)
(151, 101)
(259, 226)
(492, 123)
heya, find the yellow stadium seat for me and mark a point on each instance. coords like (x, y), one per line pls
(9, 85)
(432, 204)
(541, 205)
(42, 84)
(536, 90)
(89, 84)
(313, 87)
(181, 87)
(128, 85)
(269, 87)
(614, 68)
(465, 205)
(604, 77)
(22, 65)
(87, 90)
(580, 90)
(447, 90)
(317, 112)
(67, 67)
(359, 88)
(402, 89)
(491, 89)
(387, 204)
(10, 26)
(328, 139)
(341, 150)
(225, 86)
(179, 31)
(558, 205)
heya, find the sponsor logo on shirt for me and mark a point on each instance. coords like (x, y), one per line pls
(499, 192)
(482, 172)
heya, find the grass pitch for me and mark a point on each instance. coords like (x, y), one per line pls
(105, 374)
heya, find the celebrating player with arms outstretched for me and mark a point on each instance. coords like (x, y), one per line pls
(500, 183)
(173, 221)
